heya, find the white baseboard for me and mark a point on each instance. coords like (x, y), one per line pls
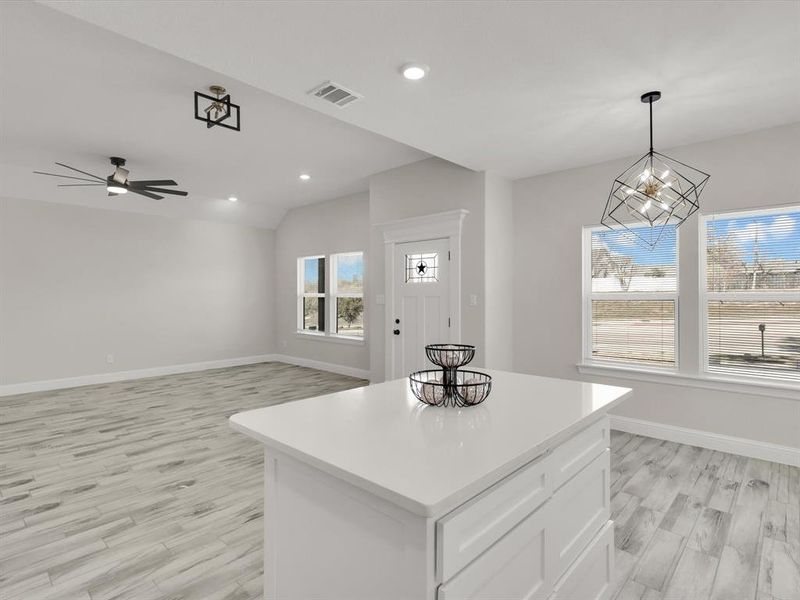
(71, 382)
(322, 366)
(705, 439)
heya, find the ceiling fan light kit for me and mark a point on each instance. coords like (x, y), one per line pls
(218, 110)
(656, 191)
(118, 182)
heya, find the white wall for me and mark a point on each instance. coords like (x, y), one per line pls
(340, 225)
(499, 269)
(77, 284)
(751, 170)
(422, 188)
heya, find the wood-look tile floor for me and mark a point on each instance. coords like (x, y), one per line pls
(139, 490)
(694, 524)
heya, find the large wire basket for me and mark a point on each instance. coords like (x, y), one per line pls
(450, 387)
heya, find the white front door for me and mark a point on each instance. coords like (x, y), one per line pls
(421, 303)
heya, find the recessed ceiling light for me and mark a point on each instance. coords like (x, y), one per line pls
(233, 199)
(305, 176)
(414, 71)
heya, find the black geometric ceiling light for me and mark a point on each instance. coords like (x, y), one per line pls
(118, 183)
(656, 190)
(219, 109)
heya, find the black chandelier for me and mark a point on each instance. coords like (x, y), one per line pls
(655, 191)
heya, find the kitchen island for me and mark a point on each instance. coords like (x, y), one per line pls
(370, 494)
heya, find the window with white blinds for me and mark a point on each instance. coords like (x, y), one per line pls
(751, 293)
(630, 298)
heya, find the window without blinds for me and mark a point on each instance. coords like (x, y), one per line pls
(312, 293)
(330, 295)
(632, 299)
(348, 293)
(752, 294)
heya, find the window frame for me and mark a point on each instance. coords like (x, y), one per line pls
(302, 294)
(704, 296)
(330, 296)
(588, 296)
(335, 295)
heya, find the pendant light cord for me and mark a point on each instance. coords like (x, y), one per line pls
(651, 125)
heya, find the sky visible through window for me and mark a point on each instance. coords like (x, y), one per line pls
(311, 273)
(619, 241)
(350, 267)
(773, 236)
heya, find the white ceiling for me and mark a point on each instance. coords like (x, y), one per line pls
(76, 93)
(518, 88)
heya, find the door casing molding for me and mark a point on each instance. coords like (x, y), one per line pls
(444, 225)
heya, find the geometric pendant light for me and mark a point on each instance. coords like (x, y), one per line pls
(654, 193)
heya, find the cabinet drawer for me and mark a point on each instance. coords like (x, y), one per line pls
(515, 567)
(574, 454)
(589, 578)
(581, 509)
(469, 530)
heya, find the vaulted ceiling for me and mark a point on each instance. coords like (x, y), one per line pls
(517, 88)
(75, 93)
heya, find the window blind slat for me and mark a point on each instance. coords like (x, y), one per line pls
(634, 331)
(748, 253)
(632, 328)
(753, 252)
(621, 264)
(754, 338)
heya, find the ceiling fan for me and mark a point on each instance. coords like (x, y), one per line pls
(118, 182)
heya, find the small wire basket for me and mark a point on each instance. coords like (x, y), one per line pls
(450, 387)
(450, 356)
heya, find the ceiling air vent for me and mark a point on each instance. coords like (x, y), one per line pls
(335, 94)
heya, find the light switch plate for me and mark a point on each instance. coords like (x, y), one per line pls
(473, 300)
(380, 299)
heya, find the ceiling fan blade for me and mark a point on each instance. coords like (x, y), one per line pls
(113, 194)
(149, 182)
(81, 185)
(162, 191)
(64, 176)
(79, 171)
(148, 194)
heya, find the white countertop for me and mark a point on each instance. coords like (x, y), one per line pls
(425, 458)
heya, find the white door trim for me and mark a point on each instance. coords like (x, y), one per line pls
(445, 225)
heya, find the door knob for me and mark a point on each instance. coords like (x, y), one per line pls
(397, 332)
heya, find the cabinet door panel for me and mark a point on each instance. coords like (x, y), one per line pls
(589, 578)
(515, 567)
(583, 508)
(573, 455)
(469, 530)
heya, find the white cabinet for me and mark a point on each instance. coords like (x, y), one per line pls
(515, 567)
(470, 529)
(583, 508)
(577, 452)
(589, 578)
(543, 532)
(503, 518)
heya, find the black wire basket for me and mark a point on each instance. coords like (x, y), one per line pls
(450, 356)
(450, 387)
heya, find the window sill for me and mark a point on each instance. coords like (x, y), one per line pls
(336, 339)
(711, 382)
